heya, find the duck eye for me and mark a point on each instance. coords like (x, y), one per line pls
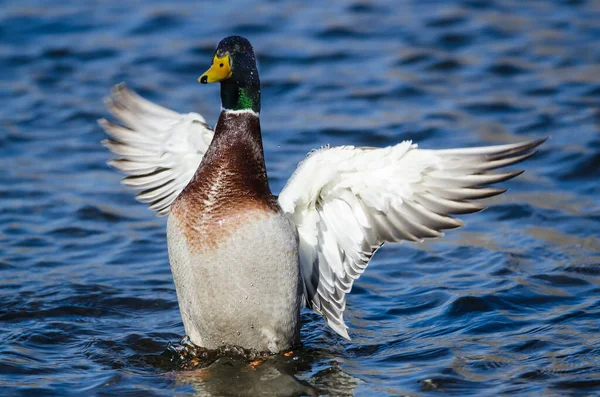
(221, 65)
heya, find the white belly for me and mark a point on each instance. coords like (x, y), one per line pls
(245, 289)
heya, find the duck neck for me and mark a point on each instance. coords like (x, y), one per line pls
(237, 150)
(241, 91)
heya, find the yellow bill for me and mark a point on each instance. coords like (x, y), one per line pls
(220, 70)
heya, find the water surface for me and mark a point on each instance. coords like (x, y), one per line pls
(508, 305)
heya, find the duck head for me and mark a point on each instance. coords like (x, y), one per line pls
(234, 66)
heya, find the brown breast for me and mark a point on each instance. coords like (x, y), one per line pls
(230, 186)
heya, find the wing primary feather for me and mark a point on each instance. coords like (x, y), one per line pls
(150, 179)
(473, 180)
(124, 135)
(504, 162)
(389, 231)
(518, 149)
(124, 150)
(131, 167)
(430, 218)
(162, 205)
(443, 206)
(498, 150)
(413, 227)
(465, 193)
(154, 194)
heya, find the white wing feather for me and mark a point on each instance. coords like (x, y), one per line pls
(157, 148)
(347, 201)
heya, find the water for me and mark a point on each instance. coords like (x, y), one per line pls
(509, 305)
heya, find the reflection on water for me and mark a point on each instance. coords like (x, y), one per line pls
(230, 377)
(231, 370)
(508, 305)
(275, 375)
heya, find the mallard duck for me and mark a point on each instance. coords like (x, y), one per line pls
(244, 261)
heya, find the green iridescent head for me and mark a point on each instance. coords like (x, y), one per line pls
(234, 66)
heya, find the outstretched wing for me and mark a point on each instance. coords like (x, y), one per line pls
(347, 202)
(157, 148)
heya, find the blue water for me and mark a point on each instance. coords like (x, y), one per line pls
(508, 305)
